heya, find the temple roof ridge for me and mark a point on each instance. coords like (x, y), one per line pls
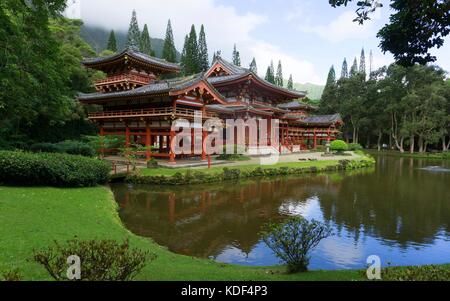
(135, 54)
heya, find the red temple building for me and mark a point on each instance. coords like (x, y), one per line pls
(137, 103)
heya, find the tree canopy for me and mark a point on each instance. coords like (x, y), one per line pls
(41, 73)
(112, 42)
(145, 42)
(169, 51)
(134, 34)
(414, 28)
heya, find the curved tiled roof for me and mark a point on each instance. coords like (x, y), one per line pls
(157, 87)
(321, 119)
(229, 78)
(157, 62)
(229, 66)
(297, 105)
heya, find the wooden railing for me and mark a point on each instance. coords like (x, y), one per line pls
(137, 78)
(154, 112)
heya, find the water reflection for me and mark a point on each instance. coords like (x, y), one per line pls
(396, 210)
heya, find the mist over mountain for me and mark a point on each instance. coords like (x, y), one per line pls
(97, 37)
(314, 91)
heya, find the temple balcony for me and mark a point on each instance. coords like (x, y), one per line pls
(123, 82)
(168, 112)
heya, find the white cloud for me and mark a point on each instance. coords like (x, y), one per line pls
(302, 71)
(343, 28)
(223, 24)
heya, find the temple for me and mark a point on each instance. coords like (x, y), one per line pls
(135, 101)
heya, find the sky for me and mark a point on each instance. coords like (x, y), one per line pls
(308, 36)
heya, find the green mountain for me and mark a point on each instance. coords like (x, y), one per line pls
(97, 37)
(314, 91)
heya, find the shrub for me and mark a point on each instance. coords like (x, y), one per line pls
(105, 142)
(61, 170)
(152, 163)
(13, 275)
(446, 155)
(76, 148)
(338, 146)
(44, 148)
(293, 240)
(68, 147)
(418, 273)
(100, 260)
(355, 147)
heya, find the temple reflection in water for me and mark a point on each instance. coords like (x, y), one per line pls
(393, 210)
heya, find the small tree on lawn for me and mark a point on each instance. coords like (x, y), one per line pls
(339, 146)
(293, 240)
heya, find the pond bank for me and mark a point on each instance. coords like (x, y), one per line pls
(33, 218)
(244, 170)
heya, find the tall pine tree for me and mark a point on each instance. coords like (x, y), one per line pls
(270, 74)
(183, 60)
(253, 66)
(354, 69)
(146, 44)
(290, 84)
(112, 42)
(192, 54)
(344, 72)
(362, 63)
(134, 34)
(203, 51)
(236, 57)
(169, 51)
(331, 79)
(279, 77)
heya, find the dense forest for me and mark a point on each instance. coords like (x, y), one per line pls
(405, 108)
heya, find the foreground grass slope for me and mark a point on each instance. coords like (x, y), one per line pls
(32, 218)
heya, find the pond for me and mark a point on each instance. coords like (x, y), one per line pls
(398, 210)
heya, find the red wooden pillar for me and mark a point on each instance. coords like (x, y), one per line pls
(148, 142)
(315, 140)
(204, 135)
(160, 144)
(269, 131)
(171, 141)
(127, 136)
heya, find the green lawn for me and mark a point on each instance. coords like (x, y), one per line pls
(246, 167)
(431, 156)
(32, 218)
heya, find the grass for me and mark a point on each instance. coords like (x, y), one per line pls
(247, 167)
(32, 218)
(431, 156)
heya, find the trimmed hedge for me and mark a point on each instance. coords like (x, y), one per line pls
(235, 174)
(49, 169)
(66, 147)
(355, 147)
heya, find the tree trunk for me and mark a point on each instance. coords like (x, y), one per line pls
(445, 146)
(380, 135)
(411, 144)
(420, 144)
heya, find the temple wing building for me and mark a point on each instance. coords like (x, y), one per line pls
(135, 101)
